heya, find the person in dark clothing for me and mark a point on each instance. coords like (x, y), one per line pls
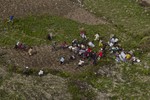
(74, 42)
(72, 57)
(94, 61)
(26, 71)
(94, 58)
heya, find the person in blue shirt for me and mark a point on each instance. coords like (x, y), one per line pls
(11, 19)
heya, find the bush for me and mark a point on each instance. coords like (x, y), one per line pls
(145, 44)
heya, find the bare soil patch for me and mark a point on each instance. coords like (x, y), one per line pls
(145, 3)
(45, 58)
(65, 8)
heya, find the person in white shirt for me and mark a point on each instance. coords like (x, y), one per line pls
(62, 60)
(18, 43)
(96, 37)
(41, 72)
(114, 40)
(91, 44)
(122, 56)
(81, 62)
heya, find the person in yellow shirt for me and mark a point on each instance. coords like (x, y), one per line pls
(128, 56)
(101, 43)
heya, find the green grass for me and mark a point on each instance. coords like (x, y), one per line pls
(126, 15)
(80, 90)
(33, 30)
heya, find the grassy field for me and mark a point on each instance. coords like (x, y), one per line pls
(127, 20)
(128, 16)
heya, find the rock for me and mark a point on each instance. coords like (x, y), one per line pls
(145, 3)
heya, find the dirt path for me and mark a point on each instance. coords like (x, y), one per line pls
(83, 16)
(65, 8)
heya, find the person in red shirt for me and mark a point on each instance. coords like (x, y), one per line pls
(100, 54)
(89, 50)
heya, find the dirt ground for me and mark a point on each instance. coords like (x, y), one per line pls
(44, 58)
(66, 8)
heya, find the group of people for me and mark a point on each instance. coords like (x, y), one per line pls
(119, 53)
(84, 49)
(24, 47)
(20, 45)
